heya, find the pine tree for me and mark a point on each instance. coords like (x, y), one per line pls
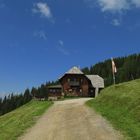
(27, 96)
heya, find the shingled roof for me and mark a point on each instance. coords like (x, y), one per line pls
(96, 81)
(74, 70)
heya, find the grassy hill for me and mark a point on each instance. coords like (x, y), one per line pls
(120, 104)
(15, 123)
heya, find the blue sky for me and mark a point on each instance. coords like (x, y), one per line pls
(41, 39)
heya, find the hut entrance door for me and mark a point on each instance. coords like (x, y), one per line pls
(92, 92)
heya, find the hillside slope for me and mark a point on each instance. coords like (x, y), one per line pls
(120, 104)
(13, 124)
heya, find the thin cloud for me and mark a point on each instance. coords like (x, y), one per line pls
(61, 43)
(114, 6)
(62, 49)
(40, 34)
(43, 9)
(116, 22)
(136, 3)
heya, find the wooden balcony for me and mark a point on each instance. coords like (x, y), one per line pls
(74, 83)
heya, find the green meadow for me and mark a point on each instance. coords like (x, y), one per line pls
(120, 104)
(13, 124)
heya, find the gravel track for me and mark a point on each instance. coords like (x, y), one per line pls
(71, 120)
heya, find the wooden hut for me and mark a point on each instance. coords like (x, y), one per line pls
(76, 83)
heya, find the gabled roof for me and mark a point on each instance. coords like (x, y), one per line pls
(96, 81)
(74, 70)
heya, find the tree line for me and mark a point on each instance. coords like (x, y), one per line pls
(12, 101)
(128, 68)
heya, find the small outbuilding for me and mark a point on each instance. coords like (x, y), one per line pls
(54, 92)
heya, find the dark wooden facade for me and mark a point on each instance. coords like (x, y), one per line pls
(77, 85)
(55, 91)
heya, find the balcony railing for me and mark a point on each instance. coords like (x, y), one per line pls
(74, 83)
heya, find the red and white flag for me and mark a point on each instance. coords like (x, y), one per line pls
(114, 69)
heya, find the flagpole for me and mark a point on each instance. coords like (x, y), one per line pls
(113, 71)
(114, 78)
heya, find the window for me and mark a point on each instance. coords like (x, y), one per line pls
(58, 90)
(74, 80)
(68, 80)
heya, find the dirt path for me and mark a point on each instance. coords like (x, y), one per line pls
(71, 120)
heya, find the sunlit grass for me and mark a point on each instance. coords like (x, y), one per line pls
(120, 104)
(16, 122)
